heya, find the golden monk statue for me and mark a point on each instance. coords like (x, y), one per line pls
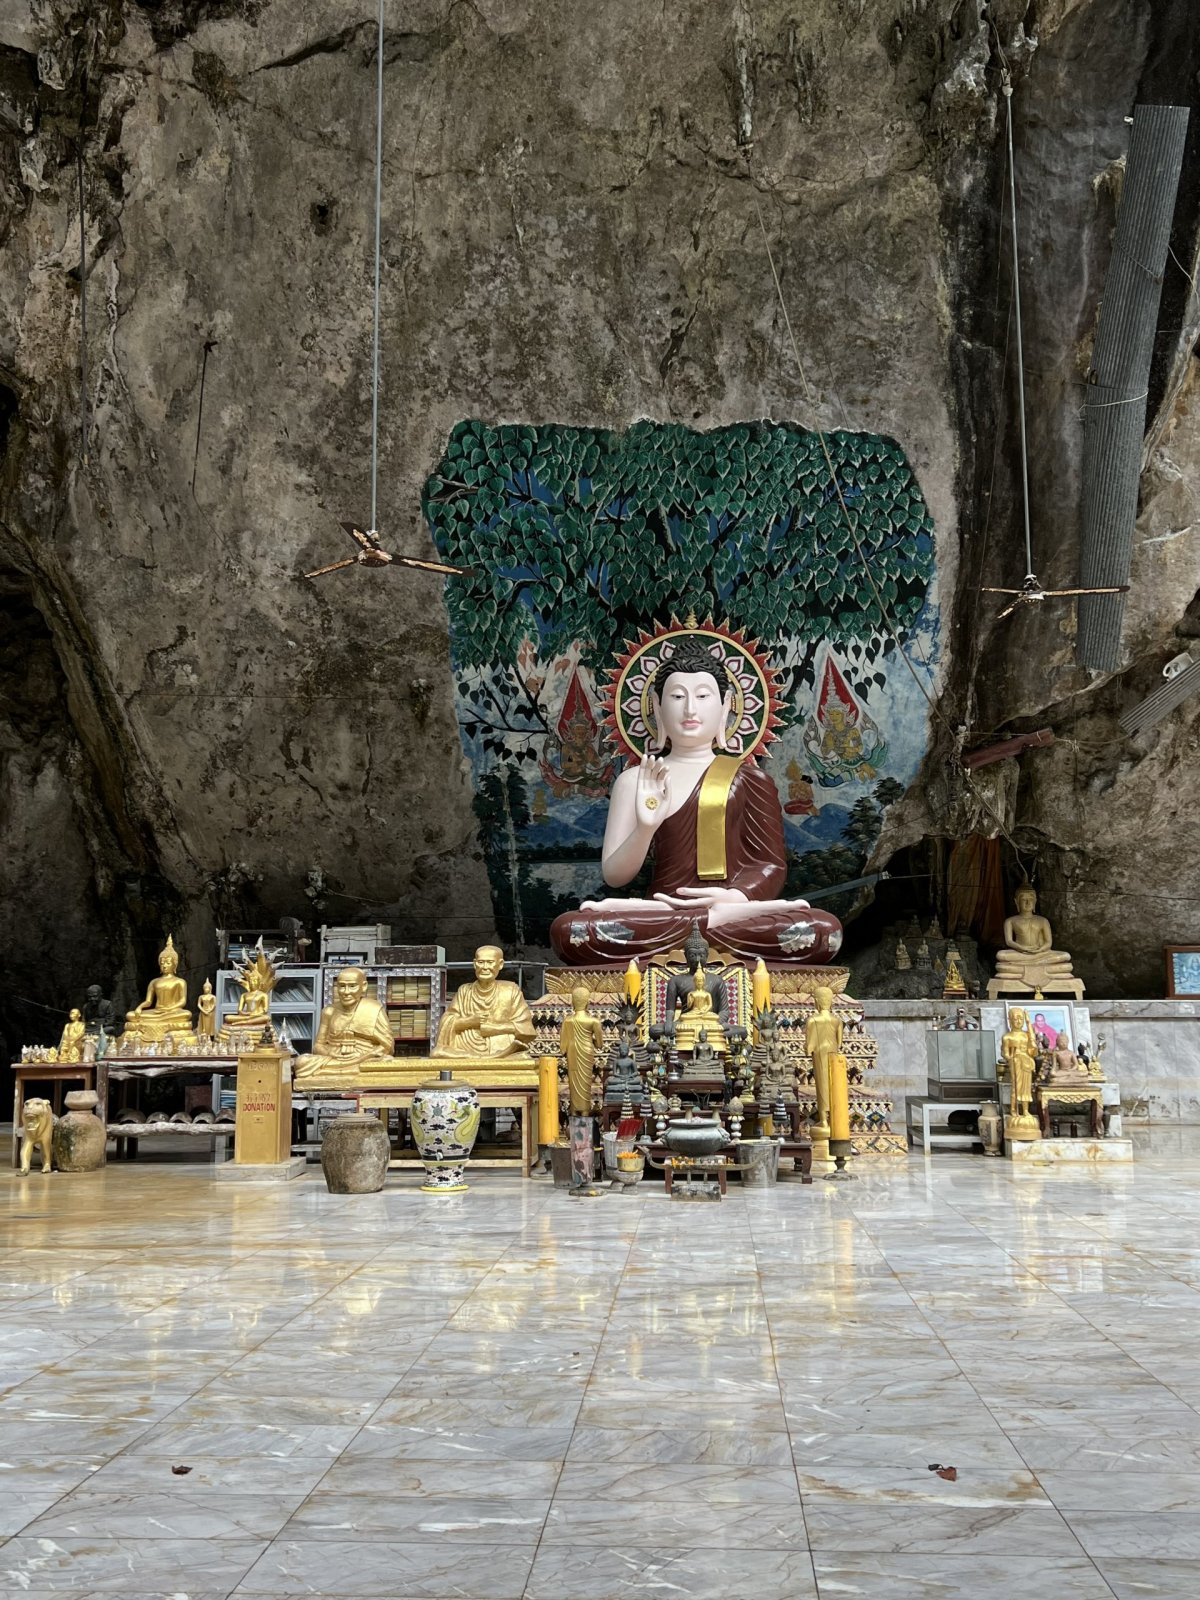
(164, 1010)
(581, 1038)
(822, 1041)
(1028, 959)
(489, 1017)
(713, 824)
(70, 1046)
(354, 1037)
(1018, 1048)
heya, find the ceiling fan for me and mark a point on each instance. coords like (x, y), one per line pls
(372, 554)
(1031, 591)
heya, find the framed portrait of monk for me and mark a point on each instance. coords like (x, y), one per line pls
(1183, 971)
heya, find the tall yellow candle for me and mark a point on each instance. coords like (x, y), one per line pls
(547, 1099)
(839, 1098)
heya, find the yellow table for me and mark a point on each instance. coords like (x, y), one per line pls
(523, 1099)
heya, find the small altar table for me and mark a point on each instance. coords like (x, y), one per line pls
(1089, 1094)
(52, 1072)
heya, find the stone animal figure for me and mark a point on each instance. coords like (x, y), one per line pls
(37, 1131)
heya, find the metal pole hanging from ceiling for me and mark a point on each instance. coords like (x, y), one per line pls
(374, 524)
(1012, 204)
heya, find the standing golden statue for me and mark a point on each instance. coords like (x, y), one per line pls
(354, 1037)
(822, 1040)
(580, 1041)
(1019, 1049)
(164, 1010)
(489, 1017)
(1028, 960)
(206, 1005)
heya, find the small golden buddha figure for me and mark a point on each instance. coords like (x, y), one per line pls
(489, 1017)
(354, 1037)
(1028, 959)
(164, 1010)
(206, 1005)
(699, 1017)
(581, 1039)
(257, 979)
(1018, 1049)
(822, 1041)
(70, 1046)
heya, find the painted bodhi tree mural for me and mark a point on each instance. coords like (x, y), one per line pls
(581, 538)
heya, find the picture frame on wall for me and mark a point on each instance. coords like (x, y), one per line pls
(1183, 971)
(1049, 1019)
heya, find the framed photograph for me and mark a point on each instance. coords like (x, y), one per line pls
(1183, 971)
(1049, 1019)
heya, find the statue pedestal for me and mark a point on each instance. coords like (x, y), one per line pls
(1053, 988)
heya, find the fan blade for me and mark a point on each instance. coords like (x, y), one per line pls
(335, 566)
(1008, 610)
(1003, 591)
(434, 566)
(369, 541)
(1120, 588)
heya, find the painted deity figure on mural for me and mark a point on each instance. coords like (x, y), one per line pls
(711, 823)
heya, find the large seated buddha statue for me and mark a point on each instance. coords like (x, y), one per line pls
(707, 817)
(354, 1038)
(164, 1010)
(1028, 962)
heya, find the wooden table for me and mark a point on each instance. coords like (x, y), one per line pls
(1074, 1095)
(53, 1072)
(522, 1099)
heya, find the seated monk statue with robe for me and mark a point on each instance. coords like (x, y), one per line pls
(354, 1036)
(489, 1017)
(713, 824)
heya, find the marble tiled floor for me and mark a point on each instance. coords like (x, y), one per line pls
(515, 1396)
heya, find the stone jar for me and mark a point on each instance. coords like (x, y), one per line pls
(991, 1128)
(79, 1137)
(354, 1155)
(445, 1120)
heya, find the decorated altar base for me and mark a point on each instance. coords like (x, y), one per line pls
(792, 1001)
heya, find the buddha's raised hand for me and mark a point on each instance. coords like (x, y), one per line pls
(652, 797)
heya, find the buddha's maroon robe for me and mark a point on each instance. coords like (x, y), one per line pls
(755, 863)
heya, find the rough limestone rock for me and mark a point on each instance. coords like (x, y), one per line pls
(355, 1154)
(575, 204)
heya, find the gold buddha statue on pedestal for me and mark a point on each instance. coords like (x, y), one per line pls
(1028, 963)
(354, 1039)
(164, 1010)
(699, 1017)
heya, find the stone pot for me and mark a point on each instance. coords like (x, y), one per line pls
(354, 1155)
(560, 1165)
(445, 1120)
(759, 1160)
(79, 1137)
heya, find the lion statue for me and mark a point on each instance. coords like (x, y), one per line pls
(37, 1129)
